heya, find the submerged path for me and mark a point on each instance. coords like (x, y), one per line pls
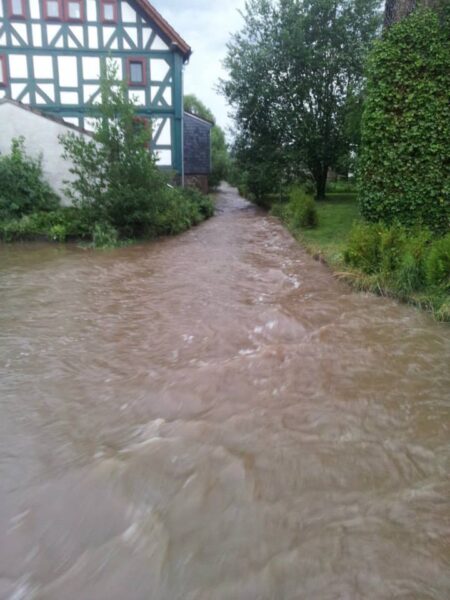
(215, 417)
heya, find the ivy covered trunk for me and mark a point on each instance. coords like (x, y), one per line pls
(405, 157)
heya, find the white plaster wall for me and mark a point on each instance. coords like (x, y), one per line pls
(41, 137)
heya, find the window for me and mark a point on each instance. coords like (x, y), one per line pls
(109, 11)
(136, 71)
(74, 10)
(52, 10)
(3, 75)
(17, 9)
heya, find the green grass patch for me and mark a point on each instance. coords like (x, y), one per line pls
(410, 265)
(336, 216)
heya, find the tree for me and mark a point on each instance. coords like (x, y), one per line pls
(116, 178)
(293, 73)
(219, 149)
(396, 10)
(195, 106)
(405, 155)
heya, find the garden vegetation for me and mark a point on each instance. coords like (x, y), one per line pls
(118, 193)
(392, 116)
(405, 150)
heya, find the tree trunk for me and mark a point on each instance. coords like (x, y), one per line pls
(320, 177)
(396, 10)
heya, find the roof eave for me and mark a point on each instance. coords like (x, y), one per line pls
(177, 41)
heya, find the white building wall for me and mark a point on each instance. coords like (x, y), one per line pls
(41, 138)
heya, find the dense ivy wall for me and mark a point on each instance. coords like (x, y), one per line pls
(405, 157)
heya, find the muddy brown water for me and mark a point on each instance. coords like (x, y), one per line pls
(215, 417)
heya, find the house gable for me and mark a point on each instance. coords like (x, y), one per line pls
(53, 63)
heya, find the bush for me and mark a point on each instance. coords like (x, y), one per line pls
(392, 246)
(59, 225)
(104, 236)
(203, 203)
(118, 184)
(302, 209)
(405, 152)
(410, 274)
(23, 189)
(409, 263)
(438, 263)
(363, 248)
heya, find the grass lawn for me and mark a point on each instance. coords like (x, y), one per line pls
(336, 216)
(328, 241)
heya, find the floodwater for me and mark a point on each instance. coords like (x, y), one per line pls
(215, 417)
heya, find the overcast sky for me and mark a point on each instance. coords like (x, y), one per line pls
(206, 26)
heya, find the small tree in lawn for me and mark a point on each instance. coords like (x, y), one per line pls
(116, 179)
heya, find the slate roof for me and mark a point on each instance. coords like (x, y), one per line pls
(197, 145)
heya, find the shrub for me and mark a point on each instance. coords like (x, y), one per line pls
(58, 225)
(117, 181)
(104, 236)
(438, 263)
(118, 185)
(405, 150)
(410, 274)
(302, 209)
(363, 248)
(58, 233)
(203, 203)
(23, 189)
(392, 245)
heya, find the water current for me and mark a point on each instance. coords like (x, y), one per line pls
(216, 417)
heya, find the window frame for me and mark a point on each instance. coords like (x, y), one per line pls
(112, 3)
(60, 16)
(3, 71)
(142, 61)
(22, 15)
(67, 16)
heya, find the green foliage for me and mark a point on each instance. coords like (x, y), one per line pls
(404, 164)
(182, 208)
(58, 233)
(23, 189)
(410, 275)
(117, 181)
(294, 80)
(341, 187)
(203, 204)
(303, 209)
(104, 236)
(438, 263)
(392, 245)
(299, 212)
(195, 106)
(117, 185)
(363, 247)
(58, 225)
(406, 261)
(220, 160)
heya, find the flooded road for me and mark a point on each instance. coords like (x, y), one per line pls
(214, 417)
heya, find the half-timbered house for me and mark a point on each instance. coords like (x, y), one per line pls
(52, 51)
